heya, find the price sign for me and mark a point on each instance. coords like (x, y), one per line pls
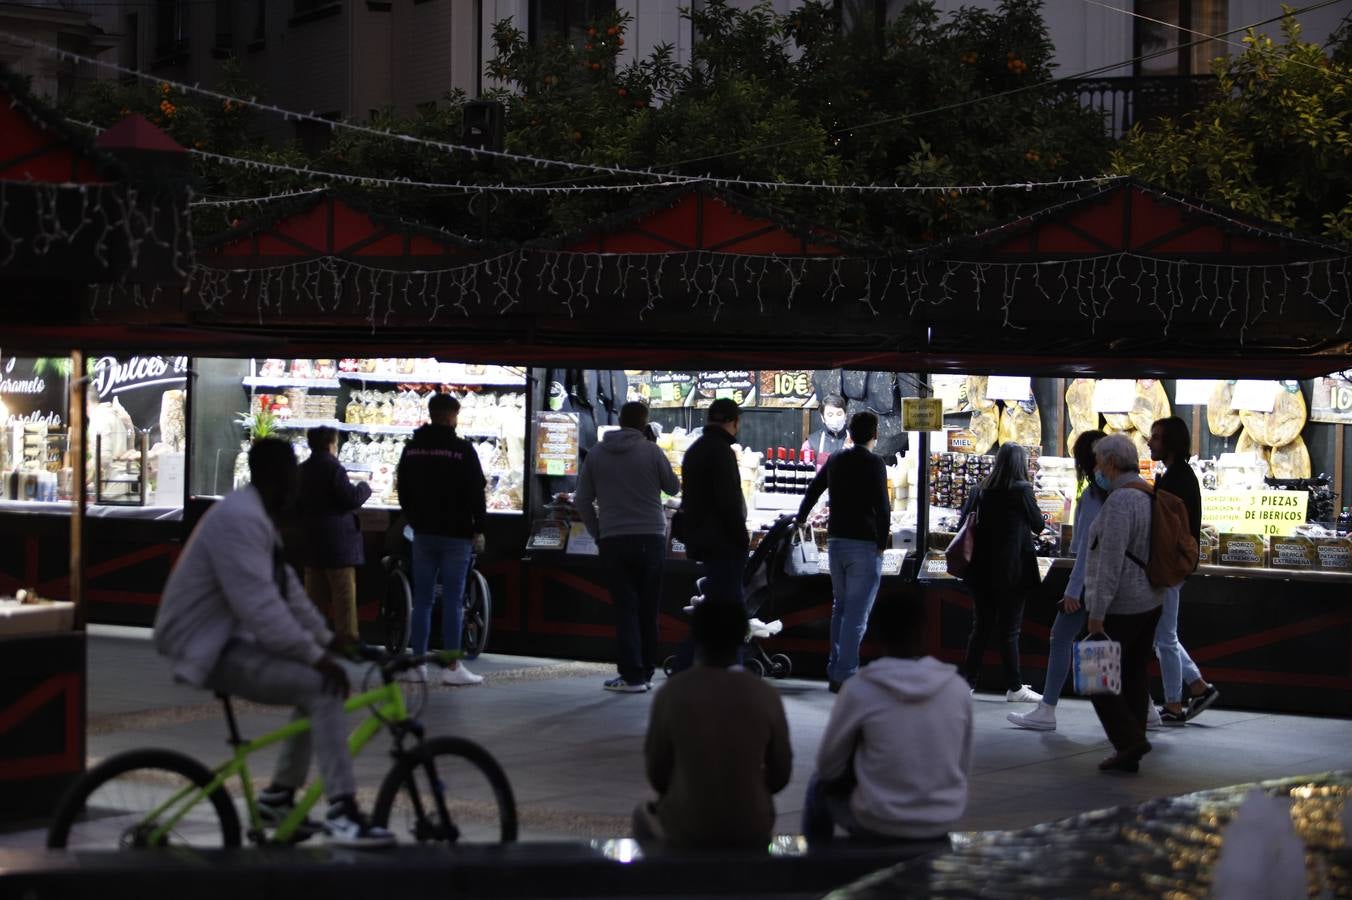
(922, 414)
(779, 388)
(556, 443)
(737, 385)
(671, 389)
(1255, 512)
(1331, 401)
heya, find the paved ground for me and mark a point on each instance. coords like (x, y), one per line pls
(574, 752)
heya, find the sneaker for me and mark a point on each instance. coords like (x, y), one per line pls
(1200, 703)
(1041, 718)
(460, 675)
(347, 827)
(415, 675)
(620, 686)
(1153, 720)
(1025, 694)
(1167, 716)
(272, 812)
(833, 686)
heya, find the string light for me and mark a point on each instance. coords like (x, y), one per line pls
(474, 152)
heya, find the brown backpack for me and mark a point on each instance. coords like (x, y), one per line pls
(1173, 549)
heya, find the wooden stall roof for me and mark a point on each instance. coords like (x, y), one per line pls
(701, 218)
(1135, 217)
(332, 224)
(39, 145)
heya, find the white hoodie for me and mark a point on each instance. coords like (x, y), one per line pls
(907, 725)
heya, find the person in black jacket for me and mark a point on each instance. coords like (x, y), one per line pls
(441, 491)
(713, 511)
(331, 546)
(1004, 569)
(1171, 444)
(858, 531)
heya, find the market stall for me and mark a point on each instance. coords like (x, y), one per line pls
(72, 213)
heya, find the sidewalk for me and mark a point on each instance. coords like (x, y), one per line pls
(574, 752)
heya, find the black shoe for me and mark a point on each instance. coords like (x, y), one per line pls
(833, 687)
(275, 804)
(1169, 717)
(1200, 703)
(1128, 760)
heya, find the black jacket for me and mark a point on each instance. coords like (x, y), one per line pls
(441, 484)
(712, 505)
(1181, 481)
(330, 532)
(1003, 556)
(859, 505)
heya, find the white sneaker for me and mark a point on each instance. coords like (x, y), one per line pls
(415, 675)
(347, 827)
(1042, 718)
(460, 675)
(1153, 722)
(1025, 694)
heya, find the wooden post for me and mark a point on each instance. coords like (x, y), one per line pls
(1059, 445)
(1196, 430)
(1338, 466)
(79, 438)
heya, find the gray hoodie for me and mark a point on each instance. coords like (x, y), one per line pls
(624, 475)
(907, 726)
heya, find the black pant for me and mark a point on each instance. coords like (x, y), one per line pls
(633, 564)
(722, 584)
(1123, 715)
(995, 613)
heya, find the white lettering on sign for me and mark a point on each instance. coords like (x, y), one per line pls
(113, 376)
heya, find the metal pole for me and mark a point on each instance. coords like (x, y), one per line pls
(79, 435)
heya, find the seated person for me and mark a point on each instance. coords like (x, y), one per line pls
(717, 748)
(896, 752)
(234, 619)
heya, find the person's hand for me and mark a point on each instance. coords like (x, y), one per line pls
(334, 678)
(479, 543)
(1070, 604)
(1096, 626)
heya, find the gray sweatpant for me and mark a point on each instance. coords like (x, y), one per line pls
(247, 671)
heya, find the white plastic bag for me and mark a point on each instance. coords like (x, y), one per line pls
(1096, 666)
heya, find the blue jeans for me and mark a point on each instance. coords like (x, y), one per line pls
(722, 584)
(1176, 666)
(633, 564)
(433, 555)
(856, 572)
(1065, 629)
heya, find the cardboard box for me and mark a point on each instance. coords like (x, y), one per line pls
(1293, 552)
(1244, 550)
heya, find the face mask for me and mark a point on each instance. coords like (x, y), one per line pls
(833, 421)
(1102, 480)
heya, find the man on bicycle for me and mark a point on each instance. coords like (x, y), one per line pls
(234, 618)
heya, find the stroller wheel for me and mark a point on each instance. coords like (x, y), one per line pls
(781, 666)
(755, 667)
(668, 664)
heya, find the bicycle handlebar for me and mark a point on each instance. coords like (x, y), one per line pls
(393, 664)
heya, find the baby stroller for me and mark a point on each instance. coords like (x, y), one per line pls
(763, 569)
(396, 604)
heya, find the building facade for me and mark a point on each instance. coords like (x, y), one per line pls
(54, 24)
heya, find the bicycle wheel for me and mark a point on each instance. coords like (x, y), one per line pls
(478, 614)
(396, 611)
(111, 806)
(477, 794)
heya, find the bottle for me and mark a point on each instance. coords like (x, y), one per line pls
(771, 480)
(785, 474)
(809, 470)
(1345, 521)
(794, 475)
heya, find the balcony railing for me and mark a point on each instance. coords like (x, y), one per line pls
(1125, 102)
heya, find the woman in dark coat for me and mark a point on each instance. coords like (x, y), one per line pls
(1004, 567)
(330, 533)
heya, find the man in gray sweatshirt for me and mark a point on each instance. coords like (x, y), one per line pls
(1119, 597)
(623, 477)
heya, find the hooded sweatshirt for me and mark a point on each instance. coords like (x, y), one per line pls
(907, 726)
(625, 476)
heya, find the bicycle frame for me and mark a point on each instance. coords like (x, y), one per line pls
(386, 704)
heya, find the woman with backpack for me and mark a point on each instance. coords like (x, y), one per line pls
(1003, 570)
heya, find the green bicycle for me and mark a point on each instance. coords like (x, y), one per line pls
(442, 789)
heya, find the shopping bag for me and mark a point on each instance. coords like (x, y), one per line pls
(1096, 665)
(960, 549)
(803, 555)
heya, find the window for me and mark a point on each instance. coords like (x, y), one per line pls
(1205, 16)
(566, 19)
(132, 60)
(304, 6)
(171, 27)
(225, 24)
(314, 137)
(260, 20)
